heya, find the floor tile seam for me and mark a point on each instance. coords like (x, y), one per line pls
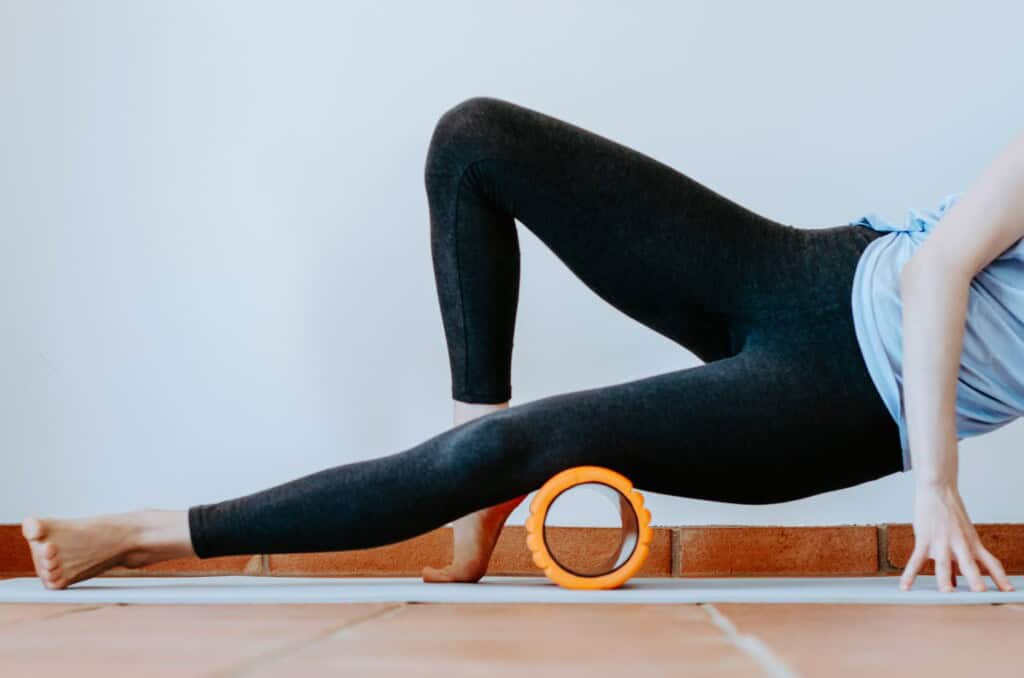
(274, 656)
(750, 645)
(82, 607)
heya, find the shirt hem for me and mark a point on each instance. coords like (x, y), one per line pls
(871, 345)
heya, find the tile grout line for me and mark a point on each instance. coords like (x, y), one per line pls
(77, 610)
(83, 607)
(262, 660)
(750, 644)
(675, 552)
(882, 530)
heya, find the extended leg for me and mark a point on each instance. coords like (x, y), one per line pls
(747, 429)
(754, 428)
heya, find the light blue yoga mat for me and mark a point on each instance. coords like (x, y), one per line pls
(238, 589)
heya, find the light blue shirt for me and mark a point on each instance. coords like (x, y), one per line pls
(990, 384)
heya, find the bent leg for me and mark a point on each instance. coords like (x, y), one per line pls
(752, 428)
(657, 245)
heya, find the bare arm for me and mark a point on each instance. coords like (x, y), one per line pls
(984, 222)
(987, 220)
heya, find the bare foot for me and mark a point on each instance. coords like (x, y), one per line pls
(68, 551)
(475, 536)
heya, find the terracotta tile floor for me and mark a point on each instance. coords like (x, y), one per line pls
(505, 640)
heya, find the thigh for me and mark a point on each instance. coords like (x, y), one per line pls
(658, 245)
(754, 428)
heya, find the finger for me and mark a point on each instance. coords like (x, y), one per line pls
(914, 565)
(943, 573)
(995, 569)
(969, 568)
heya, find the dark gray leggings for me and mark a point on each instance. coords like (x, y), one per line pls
(783, 407)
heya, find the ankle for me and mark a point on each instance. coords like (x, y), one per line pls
(158, 534)
(463, 412)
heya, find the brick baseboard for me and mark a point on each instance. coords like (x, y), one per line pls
(697, 551)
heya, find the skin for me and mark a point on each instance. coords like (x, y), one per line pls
(68, 551)
(475, 534)
(934, 287)
(987, 219)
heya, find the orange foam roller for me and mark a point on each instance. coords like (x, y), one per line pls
(639, 535)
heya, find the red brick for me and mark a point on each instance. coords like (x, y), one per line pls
(721, 551)
(15, 557)
(403, 559)
(512, 557)
(226, 565)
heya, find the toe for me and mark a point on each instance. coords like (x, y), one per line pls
(33, 528)
(433, 574)
(454, 573)
(48, 550)
(56, 579)
(36, 564)
(50, 564)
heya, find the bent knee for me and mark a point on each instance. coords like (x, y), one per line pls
(465, 133)
(469, 117)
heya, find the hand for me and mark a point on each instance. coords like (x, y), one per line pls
(941, 530)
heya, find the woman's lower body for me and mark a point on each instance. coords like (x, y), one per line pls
(782, 408)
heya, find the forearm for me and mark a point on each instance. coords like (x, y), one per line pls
(935, 292)
(934, 312)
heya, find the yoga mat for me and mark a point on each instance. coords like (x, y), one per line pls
(240, 589)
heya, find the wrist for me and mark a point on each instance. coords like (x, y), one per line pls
(938, 468)
(936, 481)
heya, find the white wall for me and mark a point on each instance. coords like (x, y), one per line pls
(214, 256)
